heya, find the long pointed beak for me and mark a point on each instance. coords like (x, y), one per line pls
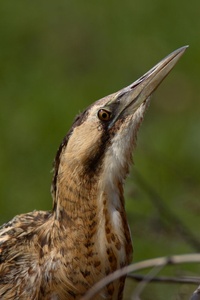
(135, 94)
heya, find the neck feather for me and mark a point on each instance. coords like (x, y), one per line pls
(94, 205)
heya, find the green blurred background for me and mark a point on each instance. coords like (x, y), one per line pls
(56, 58)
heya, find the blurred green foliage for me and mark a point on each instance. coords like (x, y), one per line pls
(56, 58)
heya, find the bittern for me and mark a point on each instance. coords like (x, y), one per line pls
(62, 253)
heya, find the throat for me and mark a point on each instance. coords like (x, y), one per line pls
(93, 227)
(114, 228)
(75, 199)
(96, 213)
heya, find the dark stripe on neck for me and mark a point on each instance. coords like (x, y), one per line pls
(77, 122)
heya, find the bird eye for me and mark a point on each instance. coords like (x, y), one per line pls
(104, 115)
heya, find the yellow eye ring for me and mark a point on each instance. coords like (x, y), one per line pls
(104, 115)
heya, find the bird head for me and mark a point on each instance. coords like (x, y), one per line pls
(102, 138)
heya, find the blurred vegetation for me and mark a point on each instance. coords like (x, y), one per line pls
(56, 58)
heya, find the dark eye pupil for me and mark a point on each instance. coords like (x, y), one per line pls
(104, 115)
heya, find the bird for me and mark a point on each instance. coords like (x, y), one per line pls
(60, 254)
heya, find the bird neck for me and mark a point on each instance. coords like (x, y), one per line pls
(93, 209)
(75, 194)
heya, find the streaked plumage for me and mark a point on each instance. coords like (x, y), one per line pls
(60, 254)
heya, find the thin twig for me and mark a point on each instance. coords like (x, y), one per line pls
(141, 286)
(168, 214)
(165, 279)
(162, 261)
